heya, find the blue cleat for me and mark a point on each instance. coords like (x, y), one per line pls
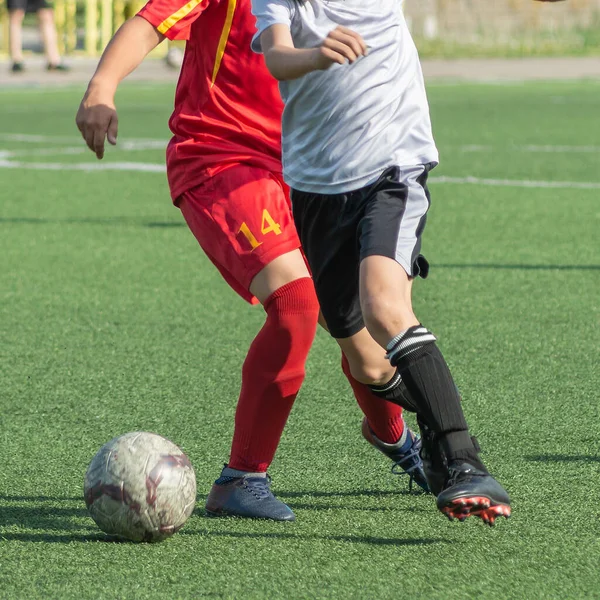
(249, 497)
(406, 457)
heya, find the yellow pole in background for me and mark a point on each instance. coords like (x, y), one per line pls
(59, 20)
(118, 13)
(70, 25)
(91, 27)
(106, 26)
(4, 20)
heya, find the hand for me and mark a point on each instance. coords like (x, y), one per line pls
(97, 119)
(340, 46)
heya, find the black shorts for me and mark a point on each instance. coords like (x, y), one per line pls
(338, 231)
(30, 6)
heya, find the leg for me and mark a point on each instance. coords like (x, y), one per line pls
(329, 242)
(364, 364)
(385, 300)
(274, 367)
(15, 28)
(48, 32)
(242, 220)
(385, 292)
(383, 425)
(383, 417)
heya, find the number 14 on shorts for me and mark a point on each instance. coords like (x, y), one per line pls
(268, 225)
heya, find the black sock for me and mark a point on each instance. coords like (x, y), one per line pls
(433, 392)
(395, 391)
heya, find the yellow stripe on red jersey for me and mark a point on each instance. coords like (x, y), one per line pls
(227, 105)
(172, 18)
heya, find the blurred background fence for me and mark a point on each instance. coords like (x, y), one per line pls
(84, 26)
(504, 27)
(452, 28)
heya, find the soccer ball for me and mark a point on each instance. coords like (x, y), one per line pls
(140, 486)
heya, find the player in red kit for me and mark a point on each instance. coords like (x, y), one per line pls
(224, 171)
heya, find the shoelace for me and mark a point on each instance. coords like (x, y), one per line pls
(412, 456)
(259, 486)
(455, 475)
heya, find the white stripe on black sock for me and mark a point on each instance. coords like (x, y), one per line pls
(407, 342)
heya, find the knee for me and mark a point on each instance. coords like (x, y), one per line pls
(46, 15)
(371, 374)
(367, 371)
(16, 17)
(376, 310)
(384, 313)
(294, 306)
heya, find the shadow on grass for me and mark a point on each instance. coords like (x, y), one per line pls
(568, 458)
(42, 517)
(122, 221)
(41, 498)
(60, 538)
(310, 506)
(354, 493)
(61, 525)
(67, 538)
(354, 539)
(39, 513)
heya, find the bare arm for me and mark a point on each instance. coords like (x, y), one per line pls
(286, 62)
(97, 114)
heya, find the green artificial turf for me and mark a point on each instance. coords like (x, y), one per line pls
(112, 320)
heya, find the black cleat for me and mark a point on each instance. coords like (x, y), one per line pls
(435, 465)
(470, 491)
(17, 67)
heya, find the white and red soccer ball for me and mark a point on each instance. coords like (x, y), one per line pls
(140, 486)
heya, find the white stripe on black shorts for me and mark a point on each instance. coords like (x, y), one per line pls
(338, 231)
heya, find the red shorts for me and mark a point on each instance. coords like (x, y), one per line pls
(242, 218)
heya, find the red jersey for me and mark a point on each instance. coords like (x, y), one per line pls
(227, 105)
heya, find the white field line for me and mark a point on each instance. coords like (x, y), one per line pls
(67, 150)
(526, 183)
(128, 146)
(160, 168)
(85, 166)
(150, 143)
(35, 139)
(531, 148)
(28, 138)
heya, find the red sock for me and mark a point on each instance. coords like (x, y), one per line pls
(273, 373)
(384, 418)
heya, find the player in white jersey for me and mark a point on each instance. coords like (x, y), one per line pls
(357, 149)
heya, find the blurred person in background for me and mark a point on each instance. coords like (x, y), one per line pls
(45, 14)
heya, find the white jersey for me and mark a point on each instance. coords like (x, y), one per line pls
(343, 127)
